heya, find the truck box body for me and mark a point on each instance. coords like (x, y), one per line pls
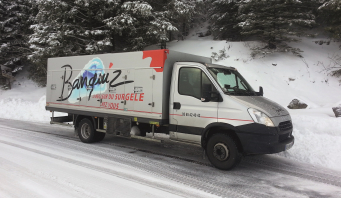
(134, 84)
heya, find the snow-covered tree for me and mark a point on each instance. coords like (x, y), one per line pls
(275, 22)
(131, 22)
(171, 16)
(331, 14)
(68, 27)
(150, 22)
(75, 27)
(14, 23)
(223, 17)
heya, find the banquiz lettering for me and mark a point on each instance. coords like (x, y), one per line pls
(95, 80)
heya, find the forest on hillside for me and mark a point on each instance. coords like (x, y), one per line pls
(31, 31)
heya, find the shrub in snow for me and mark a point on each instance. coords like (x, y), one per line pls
(337, 111)
(221, 56)
(296, 104)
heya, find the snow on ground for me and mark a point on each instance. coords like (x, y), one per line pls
(25, 101)
(283, 76)
(317, 137)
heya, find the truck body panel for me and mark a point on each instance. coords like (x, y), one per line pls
(134, 84)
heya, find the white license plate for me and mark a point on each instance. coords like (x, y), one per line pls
(288, 146)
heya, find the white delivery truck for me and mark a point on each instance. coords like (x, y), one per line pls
(164, 91)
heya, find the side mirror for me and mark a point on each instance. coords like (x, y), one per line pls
(260, 93)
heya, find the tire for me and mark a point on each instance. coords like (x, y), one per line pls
(86, 131)
(99, 136)
(222, 152)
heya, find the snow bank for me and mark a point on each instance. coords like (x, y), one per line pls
(317, 139)
(20, 109)
(25, 101)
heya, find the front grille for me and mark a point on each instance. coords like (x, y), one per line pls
(285, 126)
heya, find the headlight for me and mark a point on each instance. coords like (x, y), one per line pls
(260, 117)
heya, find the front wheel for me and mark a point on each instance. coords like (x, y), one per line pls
(222, 151)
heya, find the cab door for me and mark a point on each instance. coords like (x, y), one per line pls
(189, 114)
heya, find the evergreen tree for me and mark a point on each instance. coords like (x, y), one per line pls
(275, 22)
(131, 22)
(223, 17)
(68, 27)
(14, 23)
(331, 14)
(145, 23)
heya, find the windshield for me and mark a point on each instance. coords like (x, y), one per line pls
(231, 82)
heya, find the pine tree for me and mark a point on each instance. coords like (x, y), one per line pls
(275, 22)
(131, 22)
(150, 22)
(223, 17)
(67, 27)
(14, 23)
(331, 14)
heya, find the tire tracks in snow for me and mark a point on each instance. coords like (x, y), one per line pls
(171, 172)
(175, 173)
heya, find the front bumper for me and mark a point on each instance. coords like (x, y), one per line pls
(260, 139)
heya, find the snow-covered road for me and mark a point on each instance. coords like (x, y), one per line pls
(40, 160)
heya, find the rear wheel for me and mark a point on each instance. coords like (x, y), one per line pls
(222, 151)
(86, 131)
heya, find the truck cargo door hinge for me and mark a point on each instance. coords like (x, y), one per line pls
(153, 77)
(80, 99)
(100, 100)
(125, 77)
(53, 87)
(152, 104)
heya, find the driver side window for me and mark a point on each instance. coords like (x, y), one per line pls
(190, 82)
(194, 82)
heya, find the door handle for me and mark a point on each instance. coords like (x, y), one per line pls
(176, 105)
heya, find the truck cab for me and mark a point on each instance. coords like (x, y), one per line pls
(214, 106)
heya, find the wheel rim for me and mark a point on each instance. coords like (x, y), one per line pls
(220, 152)
(85, 131)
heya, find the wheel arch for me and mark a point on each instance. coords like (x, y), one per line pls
(219, 127)
(80, 117)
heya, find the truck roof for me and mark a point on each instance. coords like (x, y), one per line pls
(219, 66)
